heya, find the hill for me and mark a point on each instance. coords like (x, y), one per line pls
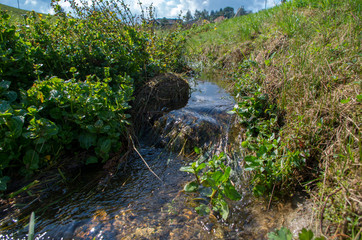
(15, 13)
(296, 72)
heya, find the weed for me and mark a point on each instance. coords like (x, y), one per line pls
(212, 182)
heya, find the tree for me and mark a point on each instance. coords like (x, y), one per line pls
(229, 12)
(197, 15)
(205, 14)
(188, 16)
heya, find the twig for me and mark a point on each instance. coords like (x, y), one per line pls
(271, 197)
(139, 154)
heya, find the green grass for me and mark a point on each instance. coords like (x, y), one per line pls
(15, 13)
(305, 55)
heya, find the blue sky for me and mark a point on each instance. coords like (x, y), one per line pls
(164, 8)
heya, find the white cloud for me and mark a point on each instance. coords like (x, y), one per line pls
(31, 2)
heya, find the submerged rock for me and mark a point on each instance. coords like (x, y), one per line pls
(201, 123)
(160, 95)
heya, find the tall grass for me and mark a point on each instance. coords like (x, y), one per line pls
(305, 55)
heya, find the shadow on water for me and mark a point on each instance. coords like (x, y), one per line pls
(137, 205)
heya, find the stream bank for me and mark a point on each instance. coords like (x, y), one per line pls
(136, 205)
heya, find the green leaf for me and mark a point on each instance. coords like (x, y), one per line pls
(15, 125)
(187, 169)
(191, 187)
(200, 167)
(3, 183)
(226, 175)
(282, 234)
(4, 85)
(231, 193)
(306, 234)
(11, 96)
(105, 145)
(87, 140)
(245, 144)
(223, 209)
(205, 191)
(4, 107)
(197, 150)
(343, 101)
(31, 160)
(32, 110)
(203, 210)
(359, 98)
(215, 178)
(91, 160)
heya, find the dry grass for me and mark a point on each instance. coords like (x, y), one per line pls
(308, 60)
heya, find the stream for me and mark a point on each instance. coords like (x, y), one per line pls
(137, 205)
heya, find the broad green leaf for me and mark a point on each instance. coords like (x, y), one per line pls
(31, 160)
(91, 160)
(197, 150)
(191, 187)
(203, 210)
(226, 175)
(48, 127)
(4, 85)
(282, 234)
(359, 98)
(200, 167)
(3, 183)
(105, 145)
(245, 144)
(250, 159)
(87, 140)
(187, 169)
(205, 191)
(99, 124)
(306, 234)
(11, 96)
(4, 107)
(15, 125)
(223, 209)
(231, 193)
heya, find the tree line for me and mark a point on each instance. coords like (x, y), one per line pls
(227, 12)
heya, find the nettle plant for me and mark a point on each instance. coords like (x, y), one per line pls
(212, 182)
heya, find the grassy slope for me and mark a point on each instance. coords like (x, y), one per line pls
(15, 13)
(306, 55)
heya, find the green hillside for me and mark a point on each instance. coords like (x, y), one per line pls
(296, 72)
(15, 13)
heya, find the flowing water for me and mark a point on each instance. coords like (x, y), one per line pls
(137, 205)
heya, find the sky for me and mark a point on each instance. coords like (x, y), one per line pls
(164, 8)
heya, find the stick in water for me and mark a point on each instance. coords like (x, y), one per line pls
(139, 154)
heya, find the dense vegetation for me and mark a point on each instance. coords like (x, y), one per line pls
(66, 83)
(296, 70)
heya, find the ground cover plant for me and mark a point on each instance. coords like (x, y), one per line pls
(296, 70)
(212, 182)
(66, 83)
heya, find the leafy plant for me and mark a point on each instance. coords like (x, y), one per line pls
(285, 234)
(213, 183)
